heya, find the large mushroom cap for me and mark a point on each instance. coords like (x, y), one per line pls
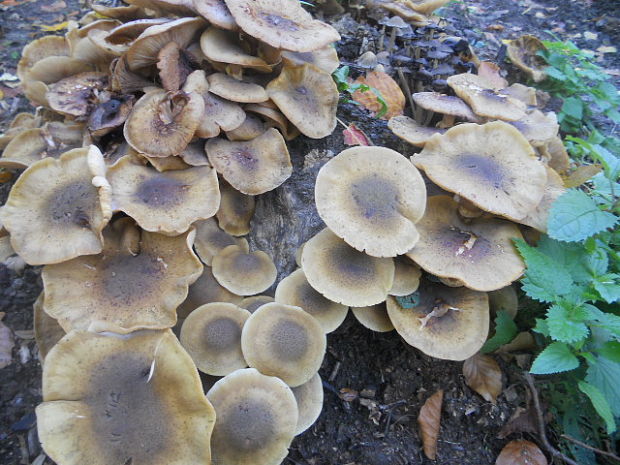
(374, 317)
(216, 12)
(74, 96)
(138, 281)
(54, 213)
(479, 253)
(309, 397)
(243, 272)
(325, 58)
(343, 274)
(450, 323)
(295, 290)
(491, 165)
(252, 167)
(44, 47)
(211, 334)
(282, 24)
(308, 97)
(206, 290)
(123, 399)
(210, 240)
(224, 47)
(284, 341)
(372, 198)
(256, 419)
(406, 277)
(166, 202)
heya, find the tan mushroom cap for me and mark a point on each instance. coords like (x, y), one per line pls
(47, 331)
(343, 274)
(224, 47)
(167, 7)
(504, 299)
(284, 341)
(479, 252)
(234, 90)
(194, 154)
(253, 303)
(19, 124)
(324, 58)
(410, 131)
(295, 290)
(173, 67)
(123, 399)
(166, 202)
(44, 47)
(173, 163)
(285, 25)
(554, 154)
(138, 281)
(252, 167)
(211, 239)
(211, 334)
(523, 53)
(74, 96)
(492, 165)
(216, 12)
(309, 397)
(374, 318)
(403, 9)
(121, 37)
(162, 123)
(256, 419)
(537, 127)
(85, 49)
(273, 118)
(372, 198)
(242, 272)
(54, 212)
(406, 277)
(446, 105)
(236, 211)
(539, 216)
(251, 128)
(521, 92)
(484, 100)
(206, 290)
(451, 323)
(308, 97)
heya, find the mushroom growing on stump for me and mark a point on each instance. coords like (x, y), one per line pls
(206, 290)
(243, 272)
(309, 397)
(236, 211)
(210, 240)
(374, 317)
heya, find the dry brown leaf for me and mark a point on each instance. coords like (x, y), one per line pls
(483, 375)
(389, 90)
(521, 453)
(6, 345)
(523, 420)
(429, 421)
(581, 175)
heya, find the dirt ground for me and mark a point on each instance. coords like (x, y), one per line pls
(387, 380)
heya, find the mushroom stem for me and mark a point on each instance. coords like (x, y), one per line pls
(130, 240)
(381, 37)
(392, 40)
(405, 84)
(447, 121)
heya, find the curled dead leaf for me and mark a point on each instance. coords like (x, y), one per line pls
(429, 421)
(581, 175)
(483, 375)
(388, 89)
(521, 453)
(355, 136)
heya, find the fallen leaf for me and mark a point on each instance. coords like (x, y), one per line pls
(355, 136)
(429, 421)
(55, 27)
(590, 35)
(56, 6)
(5, 176)
(523, 420)
(7, 3)
(607, 49)
(6, 345)
(496, 27)
(581, 175)
(387, 88)
(521, 453)
(483, 375)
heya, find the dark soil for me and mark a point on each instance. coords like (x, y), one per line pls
(385, 380)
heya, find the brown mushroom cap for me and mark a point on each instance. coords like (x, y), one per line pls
(224, 47)
(445, 104)
(325, 58)
(252, 167)
(46, 46)
(406, 277)
(256, 419)
(504, 299)
(284, 341)
(206, 290)
(523, 53)
(450, 323)
(521, 92)
(371, 198)
(216, 12)
(284, 25)
(74, 96)
(539, 216)
(404, 10)
(374, 317)
(491, 165)
(236, 211)
(242, 272)
(251, 128)
(253, 303)
(122, 36)
(343, 274)
(138, 281)
(295, 290)
(308, 97)
(211, 334)
(537, 127)
(273, 118)
(409, 130)
(132, 399)
(210, 240)
(47, 331)
(309, 397)
(234, 90)
(426, 7)
(173, 66)
(554, 154)
(479, 252)
(54, 213)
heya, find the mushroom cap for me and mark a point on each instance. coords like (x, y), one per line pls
(173, 66)
(74, 96)
(242, 272)
(523, 53)
(162, 123)
(236, 211)
(137, 282)
(406, 277)
(194, 154)
(403, 9)
(284, 341)
(46, 46)
(47, 331)
(224, 47)
(206, 290)
(253, 303)
(123, 399)
(273, 118)
(308, 97)
(54, 213)
(282, 24)
(165, 202)
(504, 299)
(451, 323)
(372, 198)
(324, 58)
(166, 7)
(256, 419)
(124, 34)
(521, 92)
(426, 7)
(232, 89)
(344, 274)
(479, 252)
(211, 334)
(446, 105)
(216, 12)
(210, 240)
(110, 114)
(251, 128)
(374, 317)
(295, 290)
(492, 165)
(537, 127)
(309, 397)
(409, 130)
(252, 167)
(539, 216)
(554, 154)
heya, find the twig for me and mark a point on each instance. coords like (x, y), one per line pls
(541, 423)
(587, 446)
(405, 85)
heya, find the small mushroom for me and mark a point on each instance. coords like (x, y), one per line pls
(524, 54)
(244, 273)
(449, 106)
(409, 130)
(273, 118)
(309, 397)
(205, 290)
(236, 211)
(211, 239)
(253, 303)
(537, 127)
(325, 58)
(174, 66)
(406, 277)
(251, 128)
(224, 47)
(374, 317)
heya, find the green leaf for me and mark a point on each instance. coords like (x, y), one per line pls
(608, 286)
(505, 331)
(564, 326)
(600, 404)
(556, 358)
(611, 351)
(604, 374)
(541, 327)
(574, 217)
(573, 107)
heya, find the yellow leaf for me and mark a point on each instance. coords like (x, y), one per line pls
(55, 27)
(581, 175)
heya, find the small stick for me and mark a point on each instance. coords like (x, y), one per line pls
(334, 373)
(405, 85)
(594, 449)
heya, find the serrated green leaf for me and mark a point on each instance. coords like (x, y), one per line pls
(608, 286)
(564, 326)
(600, 404)
(604, 374)
(505, 331)
(611, 351)
(573, 257)
(573, 107)
(574, 217)
(556, 358)
(541, 327)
